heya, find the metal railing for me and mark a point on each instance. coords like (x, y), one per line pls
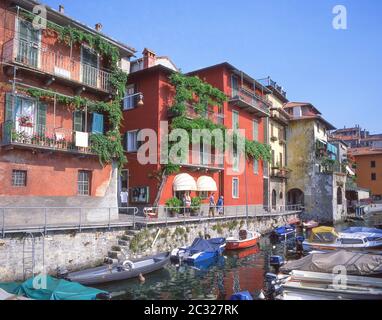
(253, 99)
(203, 159)
(45, 59)
(44, 219)
(39, 136)
(190, 113)
(268, 82)
(166, 215)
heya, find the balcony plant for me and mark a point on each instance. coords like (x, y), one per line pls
(174, 205)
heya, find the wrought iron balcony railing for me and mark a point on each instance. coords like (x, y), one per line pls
(44, 137)
(41, 58)
(251, 101)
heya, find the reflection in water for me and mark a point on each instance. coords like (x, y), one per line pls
(234, 271)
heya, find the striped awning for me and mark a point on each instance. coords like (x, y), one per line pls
(206, 183)
(184, 182)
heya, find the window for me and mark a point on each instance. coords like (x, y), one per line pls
(84, 183)
(19, 178)
(236, 159)
(235, 86)
(129, 102)
(339, 196)
(255, 166)
(235, 120)
(373, 176)
(273, 158)
(373, 164)
(131, 141)
(79, 121)
(255, 130)
(281, 160)
(140, 195)
(281, 196)
(235, 188)
(297, 112)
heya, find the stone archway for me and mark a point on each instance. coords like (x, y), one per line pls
(296, 197)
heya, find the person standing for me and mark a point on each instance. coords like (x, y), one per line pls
(220, 206)
(187, 203)
(212, 206)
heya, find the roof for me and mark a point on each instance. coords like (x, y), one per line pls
(365, 151)
(62, 18)
(301, 104)
(237, 71)
(328, 125)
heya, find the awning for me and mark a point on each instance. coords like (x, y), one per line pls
(206, 183)
(350, 171)
(184, 182)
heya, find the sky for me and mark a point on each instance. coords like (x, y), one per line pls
(293, 41)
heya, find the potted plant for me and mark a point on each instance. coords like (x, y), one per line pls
(195, 205)
(25, 121)
(174, 205)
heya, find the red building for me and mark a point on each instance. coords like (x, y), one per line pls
(246, 108)
(46, 154)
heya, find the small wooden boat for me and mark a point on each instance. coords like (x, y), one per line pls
(246, 239)
(118, 272)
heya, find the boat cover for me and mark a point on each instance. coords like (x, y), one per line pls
(285, 229)
(362, 230)
(56, 289)
(323, 235)
(200, 244)
(356, 263)
(217, 241)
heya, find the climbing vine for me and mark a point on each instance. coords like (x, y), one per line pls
(108, 146)
(195, 93)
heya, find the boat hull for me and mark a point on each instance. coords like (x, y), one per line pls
(331, 247)
(105, 274)
(238, 245)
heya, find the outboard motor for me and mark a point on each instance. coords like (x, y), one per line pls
(276, 262)
(62, 273)
(271, 286)
(299, 246)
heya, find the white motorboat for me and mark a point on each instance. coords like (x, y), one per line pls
(373, 209)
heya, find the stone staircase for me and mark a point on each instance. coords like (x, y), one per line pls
(121, 251)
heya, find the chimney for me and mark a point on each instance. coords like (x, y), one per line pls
(98, 27)
(149, 58)
(61, 9)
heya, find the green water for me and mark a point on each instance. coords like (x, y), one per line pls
(234, 272)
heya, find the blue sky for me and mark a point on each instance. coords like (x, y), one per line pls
(293, 41)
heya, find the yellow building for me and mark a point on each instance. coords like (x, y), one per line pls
(278, 171)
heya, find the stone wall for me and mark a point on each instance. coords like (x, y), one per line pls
(76, 251)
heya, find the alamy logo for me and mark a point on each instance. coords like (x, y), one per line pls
(340, 20)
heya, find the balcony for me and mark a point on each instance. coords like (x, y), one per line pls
(217, 118)
(199, 160)
(268, 82)
(280, 116)
(27, 135)
(280, 173)
(35, 57)
(251, 102)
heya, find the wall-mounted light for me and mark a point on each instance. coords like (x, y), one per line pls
(140, 102)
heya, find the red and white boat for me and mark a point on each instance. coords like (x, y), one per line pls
(245, 239)
(310, 224)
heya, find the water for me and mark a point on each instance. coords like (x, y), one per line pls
(233, 272)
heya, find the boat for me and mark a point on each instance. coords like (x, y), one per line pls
(50, 288)
(200, 250)
(8, 296)
(285, 231)
(121, 271)
(326, 238)
(244, 240)
(303, 285)
(241, 296)
(373, 209)
(310, 224)
(356, 263)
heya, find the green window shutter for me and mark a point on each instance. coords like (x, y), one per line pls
(8, 107)
(41, 118)
(78, 124)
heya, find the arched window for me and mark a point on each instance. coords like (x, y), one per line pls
(339, 195)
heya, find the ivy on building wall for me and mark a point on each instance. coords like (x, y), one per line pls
(108, 146)
(195, 93)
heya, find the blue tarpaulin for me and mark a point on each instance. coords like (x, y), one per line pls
(200, 244)
(362, 230)
(49, 288)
